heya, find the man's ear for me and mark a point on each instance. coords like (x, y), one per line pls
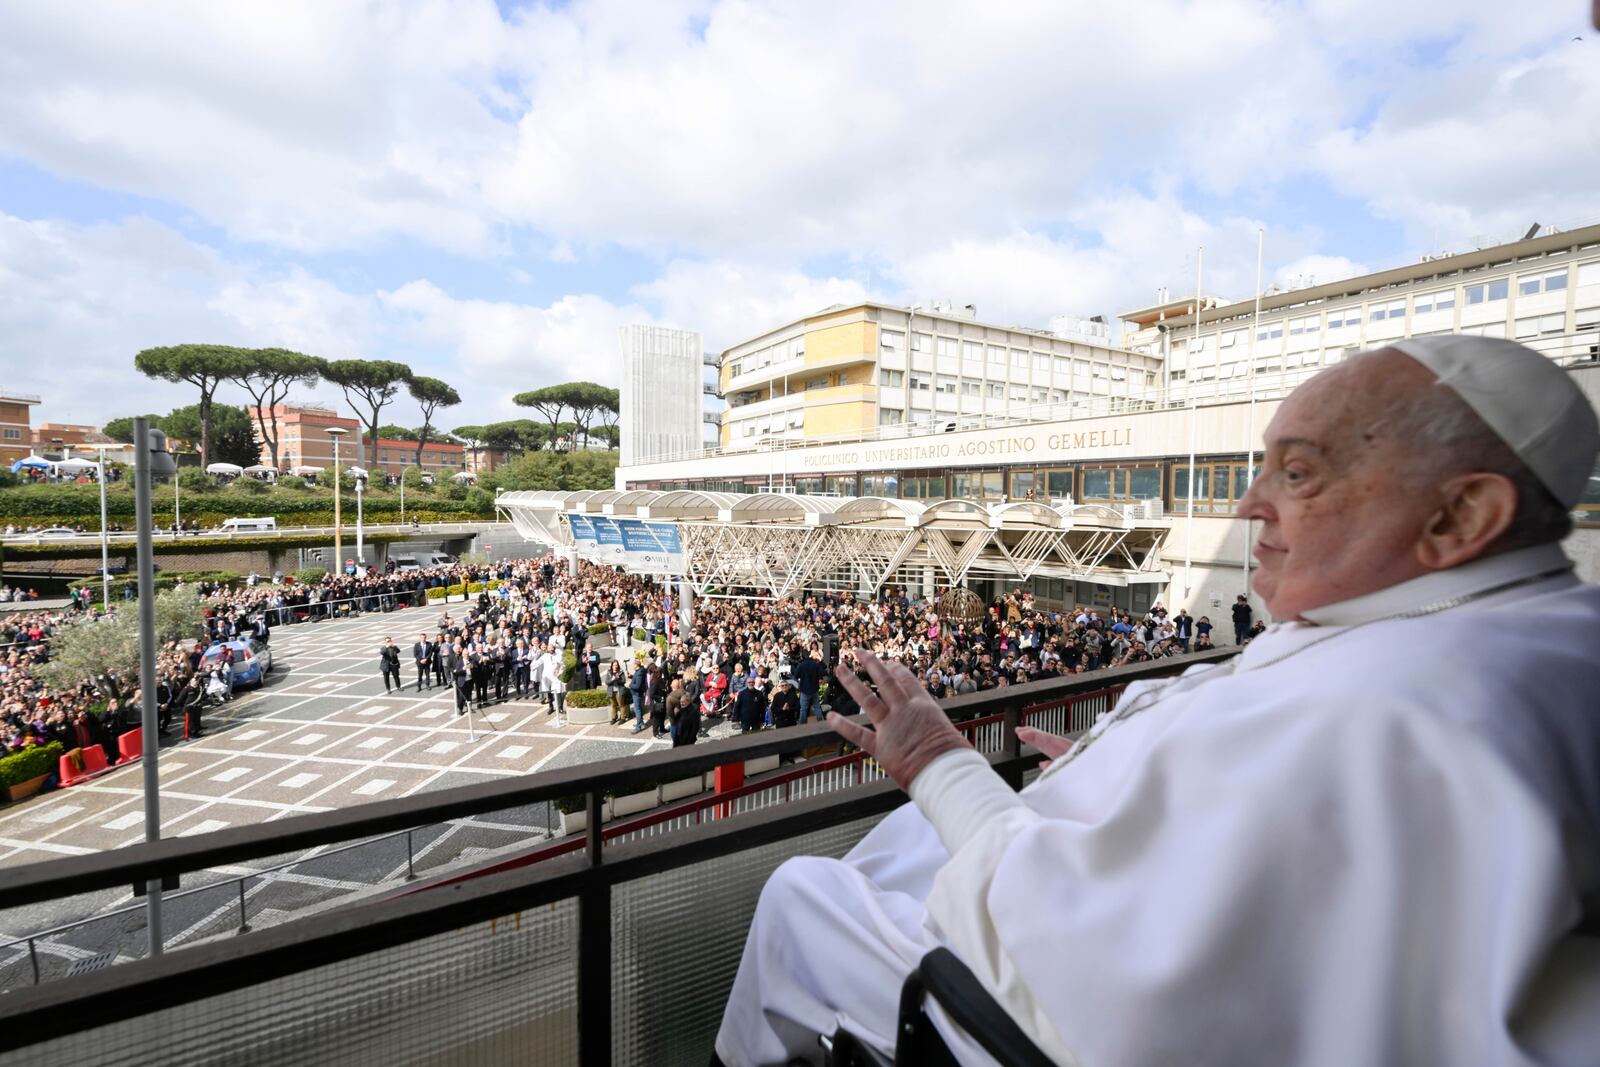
(1474, 510)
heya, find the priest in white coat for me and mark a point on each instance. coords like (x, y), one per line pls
(1371, 838)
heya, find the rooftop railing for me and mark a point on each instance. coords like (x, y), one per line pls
(616, 952)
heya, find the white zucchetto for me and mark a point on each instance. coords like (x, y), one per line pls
(1530, 403)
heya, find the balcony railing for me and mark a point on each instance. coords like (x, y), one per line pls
(619, 952)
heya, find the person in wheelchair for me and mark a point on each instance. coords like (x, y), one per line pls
(1360, 840)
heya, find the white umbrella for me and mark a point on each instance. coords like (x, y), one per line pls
(74, 466)
(356, 472)
(224, 468)
(305, 470)
(464, 476)
(261, 468)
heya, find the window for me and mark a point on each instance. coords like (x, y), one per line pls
(1217, 487)
(1309, 324)
(1041, 395)
(1589, 273)
(817, 383)
(1393, 310)
(890, 417)
(1488, 291)
(1019, 393)
(996, 391)
(945, 384)
(1019, 358)
(1346, 317)
(892, 339)
(972, 355)
(1100, 370)
(976, 485)
(1121, 484)
(1492, 329)
(894, 379)
(12, 434)
(921, 342)
(1041, 361)
(920, 383)
(1119, 374)
(1269, 330)
(1023, 483)
(1058, 484)
(922, 486)
(1588, 509)
(997, 356)
(1063, 366)
(1541, 326)
(1439, 300)
(1588, 319)
(946, 346)
(1548, 283)
(735, 369)
(880, 483)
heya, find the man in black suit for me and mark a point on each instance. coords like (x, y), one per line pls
(480, 676)
(422, 653)
(389, 664)
(441, 675)
(751, 706)
(502, 669)
(463, 683)
(785, 704)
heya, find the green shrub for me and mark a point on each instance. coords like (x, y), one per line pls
(588, 698)
(492, 584)
(310, 575)
(639, 634)
(599, 628)
(569, 666)
(570, 805)
(252, 487)
(436, 593)
(30, 763)
(456, 590)
(292, 482)
(473, 588)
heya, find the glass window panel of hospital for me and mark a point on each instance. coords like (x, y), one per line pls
(1058, 484)
(1022, 483)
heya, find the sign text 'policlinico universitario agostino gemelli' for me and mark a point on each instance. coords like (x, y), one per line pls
(972, 447)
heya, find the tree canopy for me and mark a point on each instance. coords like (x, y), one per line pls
(391, 432)
(233, 436)
(369, 385)
(431, 394)
(203, 366)
(268, 374)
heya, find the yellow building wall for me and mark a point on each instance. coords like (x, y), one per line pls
(847, 339)
(825, 419)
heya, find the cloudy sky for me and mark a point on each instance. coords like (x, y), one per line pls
(488, 191)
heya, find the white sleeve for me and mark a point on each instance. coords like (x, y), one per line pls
(1372, 884)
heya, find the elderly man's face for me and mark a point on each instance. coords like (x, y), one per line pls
(1338, 520)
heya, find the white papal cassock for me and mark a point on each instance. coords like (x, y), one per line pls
(1366, 840)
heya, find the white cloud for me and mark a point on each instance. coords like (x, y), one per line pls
(729, 302)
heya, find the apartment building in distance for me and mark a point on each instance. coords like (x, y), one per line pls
(67, 437)
(1543, 291)
(842, 403)
(851, 369)
(16, 429)
(304, 442)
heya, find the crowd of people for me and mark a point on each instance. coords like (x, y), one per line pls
(538, 634)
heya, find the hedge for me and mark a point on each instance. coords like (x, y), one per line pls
(436, 592)
(455, 590)
(30, 763)
(599, 628)
(474, 587)
(310, 575)
(123, 547)
(58, 505)
(639, 634)
(569, 666)
(588, 698)
(163, 581)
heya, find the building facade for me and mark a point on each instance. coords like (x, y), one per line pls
(1130, 440)
(304, 442)
(661, 394)
(67, 436)
(853, 369)
(1544, 292)
(16, 429)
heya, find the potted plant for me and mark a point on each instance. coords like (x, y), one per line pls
(639, 797)
(23, 773)
(574, 819)
(683, 787)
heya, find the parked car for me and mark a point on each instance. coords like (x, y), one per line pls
(251, 660)
(57, 531)
(236, 525)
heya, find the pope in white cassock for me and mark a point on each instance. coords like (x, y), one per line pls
(1373, 837)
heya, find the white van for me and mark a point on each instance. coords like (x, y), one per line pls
(241, 525)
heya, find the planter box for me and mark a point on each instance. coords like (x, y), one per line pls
(25, 789)
(633, 804)
(760, 765)
(578, 821)
(686, 787)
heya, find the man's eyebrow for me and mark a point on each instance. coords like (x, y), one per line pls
(1287, 442)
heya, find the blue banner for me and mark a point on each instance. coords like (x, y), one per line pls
(651, 547)
(582, 530)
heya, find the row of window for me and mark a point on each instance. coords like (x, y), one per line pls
(1218, 485)
(1483, 292)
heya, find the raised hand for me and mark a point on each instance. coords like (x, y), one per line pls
(1054, 746)
(911, 730)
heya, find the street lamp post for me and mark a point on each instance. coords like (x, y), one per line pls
(105, 547)
(361, 545)
(150, 459)
(336, 432)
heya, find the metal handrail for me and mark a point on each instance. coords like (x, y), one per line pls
(93, 536)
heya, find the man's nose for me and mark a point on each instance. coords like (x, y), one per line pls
(1254, 503)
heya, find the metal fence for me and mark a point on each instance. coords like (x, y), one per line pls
(382, 981)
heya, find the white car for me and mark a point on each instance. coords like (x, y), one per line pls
(57, 531)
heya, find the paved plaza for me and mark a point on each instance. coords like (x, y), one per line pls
(321, 734)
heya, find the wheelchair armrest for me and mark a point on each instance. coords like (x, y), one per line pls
(942, 976)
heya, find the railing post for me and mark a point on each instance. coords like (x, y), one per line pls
(244, 926)
(594, 952)
(33, 955)
(411, 870)
(1010, 745)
